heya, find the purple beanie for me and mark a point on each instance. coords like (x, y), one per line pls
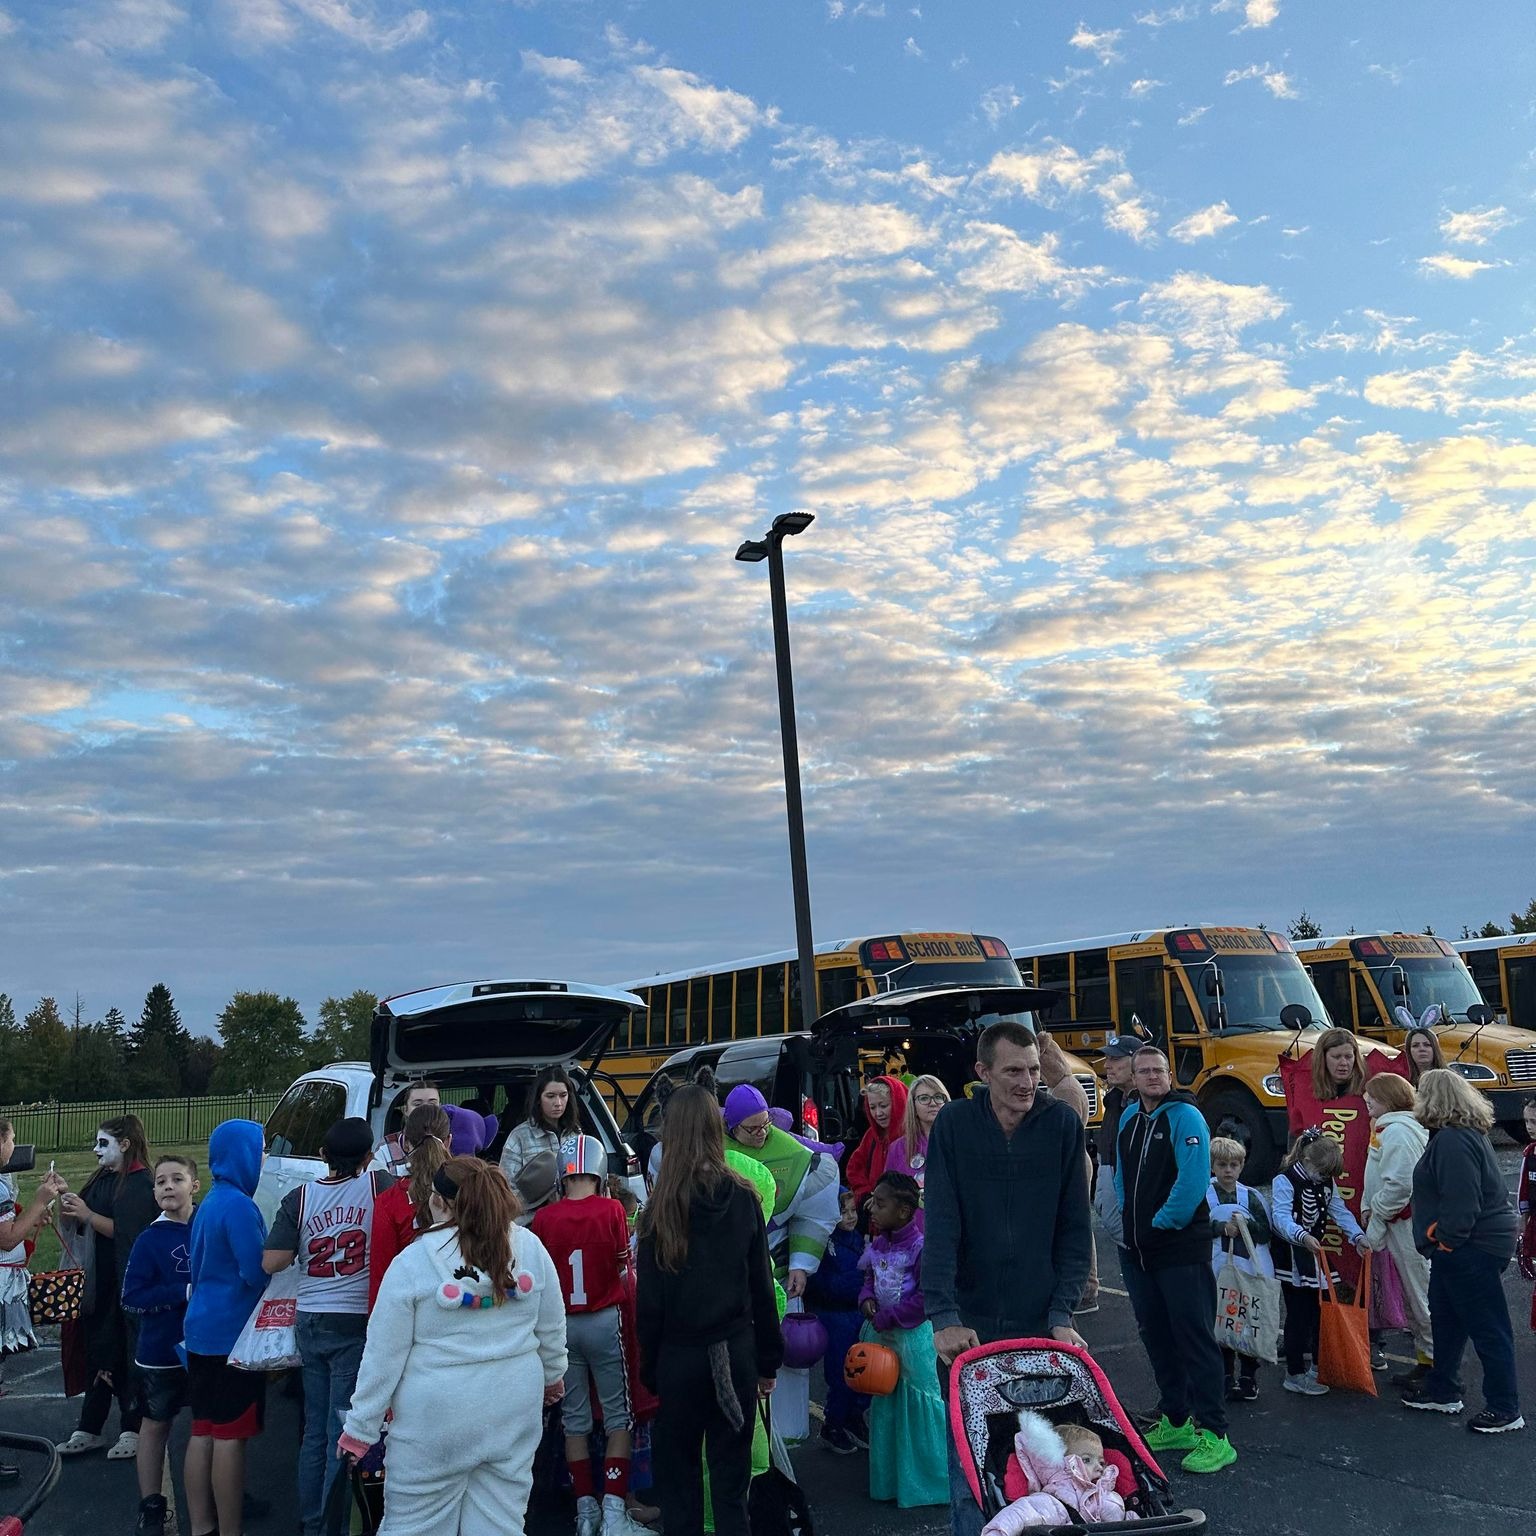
(782, 1118)
(742, 1102)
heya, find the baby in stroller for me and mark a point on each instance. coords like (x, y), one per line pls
(1056, 1476)
(1044, 1445)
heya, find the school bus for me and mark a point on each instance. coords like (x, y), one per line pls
(1364, 978)
(760, 996)
(1505, 972)
(1223, 1002)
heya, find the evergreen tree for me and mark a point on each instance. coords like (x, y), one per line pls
(157, 1047)
(202, 1061)
(44, 1064)
(1491, 930)
(10, 1051)
(98, 1061)
(1303, 927)
(1524, 922)
(264, 1044)
(342, 1033)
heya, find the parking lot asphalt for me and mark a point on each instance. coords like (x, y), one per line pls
(1306, 1467)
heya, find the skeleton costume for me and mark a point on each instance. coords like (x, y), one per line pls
(466, 1380)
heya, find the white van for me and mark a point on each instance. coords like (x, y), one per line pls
(488, 1039)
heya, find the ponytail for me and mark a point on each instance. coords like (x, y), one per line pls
(426, 1132)
(483, 1208)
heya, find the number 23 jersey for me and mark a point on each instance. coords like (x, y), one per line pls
(329, 1222)
(589, 1242)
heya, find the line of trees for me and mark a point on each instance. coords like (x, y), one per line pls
(264, 1042)
(1304, 926)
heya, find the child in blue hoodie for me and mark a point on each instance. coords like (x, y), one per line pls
(155, 1289)
(833, 1295)
(228, 1406)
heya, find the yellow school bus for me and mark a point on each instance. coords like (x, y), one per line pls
(760, 996)
(1364, 978)
(1505, 972)
(1223, 1002)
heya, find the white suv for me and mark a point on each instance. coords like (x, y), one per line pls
(486, 1038)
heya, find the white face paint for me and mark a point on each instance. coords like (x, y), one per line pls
(109, 1150)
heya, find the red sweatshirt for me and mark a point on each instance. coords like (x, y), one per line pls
(868, 1160)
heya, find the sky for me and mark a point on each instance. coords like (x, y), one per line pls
(384, 391)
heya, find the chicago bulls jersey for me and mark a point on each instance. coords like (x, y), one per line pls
(589, 1242)
(331, 1221)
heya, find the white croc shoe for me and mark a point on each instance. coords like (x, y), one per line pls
(127, 1447)
(79, 1443)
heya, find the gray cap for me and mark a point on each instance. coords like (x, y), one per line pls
(1122, 1045)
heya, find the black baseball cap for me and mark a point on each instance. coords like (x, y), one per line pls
(1121, 1046)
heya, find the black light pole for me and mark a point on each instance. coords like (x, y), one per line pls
(771, 549)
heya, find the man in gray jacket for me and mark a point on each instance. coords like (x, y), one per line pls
(1006, 1220)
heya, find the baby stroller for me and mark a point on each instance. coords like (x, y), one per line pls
(988, 1386)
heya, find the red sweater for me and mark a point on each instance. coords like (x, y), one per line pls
(394, 1228)
(868, 1160)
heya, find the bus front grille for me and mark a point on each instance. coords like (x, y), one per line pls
(1091, 1088)
(1522, 1067)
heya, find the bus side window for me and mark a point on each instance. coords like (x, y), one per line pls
(1055, 974)
(1331, 978)
(1520, 971)
(746, 1005)
(677, 1014)
(698, 1011)
(1092, 990)
(836, 985)
(772, 1020)
(1139, 992)
(1369, 1016)
(1183, 1019)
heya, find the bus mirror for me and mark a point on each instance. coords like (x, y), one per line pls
(1399, 984)
(1479, 1014)
(1214, 986)
(1295, 1016)
(1216, 1015)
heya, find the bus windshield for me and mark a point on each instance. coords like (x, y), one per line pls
(1440, 979)
(1255, 988)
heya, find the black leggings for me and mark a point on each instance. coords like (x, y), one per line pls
(1303, 1314)
(692, 1432)
(109, 1347)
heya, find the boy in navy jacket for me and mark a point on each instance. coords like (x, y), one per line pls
(155, 1288)
(833, 1295)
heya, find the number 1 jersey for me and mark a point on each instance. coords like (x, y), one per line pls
(589, 1242)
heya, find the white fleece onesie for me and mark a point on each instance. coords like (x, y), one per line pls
(466, 1384)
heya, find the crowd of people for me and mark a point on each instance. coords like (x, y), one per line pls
(428, 1279)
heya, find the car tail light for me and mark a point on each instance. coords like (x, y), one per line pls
(810, 1116)
(631, 1163)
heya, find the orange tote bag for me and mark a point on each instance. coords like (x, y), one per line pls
(1344, 1335)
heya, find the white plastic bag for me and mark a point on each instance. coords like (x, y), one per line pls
(268, 1342)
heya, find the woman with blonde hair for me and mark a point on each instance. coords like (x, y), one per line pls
(1464, 1224)
(1397, 1144)
(908, 1153)
(466, 1345)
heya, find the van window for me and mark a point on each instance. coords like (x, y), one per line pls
(303, 1116)
(757, 1067)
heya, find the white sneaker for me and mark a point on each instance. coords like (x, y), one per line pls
(127, 1447)
(589, 1516)
(1307, 1384)
(617, 1520)
(79, 1443)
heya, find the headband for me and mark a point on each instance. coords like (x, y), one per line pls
(445, 1185)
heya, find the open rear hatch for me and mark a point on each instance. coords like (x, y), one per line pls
(497, 1024)
(928, 1010)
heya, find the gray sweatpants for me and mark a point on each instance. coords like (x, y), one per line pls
(594, 1342)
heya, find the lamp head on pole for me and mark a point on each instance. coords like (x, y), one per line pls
(752, 551)
(789, 523)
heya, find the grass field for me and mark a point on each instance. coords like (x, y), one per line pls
(77, 1167)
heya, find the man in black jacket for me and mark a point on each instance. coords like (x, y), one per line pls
(1162, 1172)
(1006, 1219)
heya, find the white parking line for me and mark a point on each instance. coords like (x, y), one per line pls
(37, 1370)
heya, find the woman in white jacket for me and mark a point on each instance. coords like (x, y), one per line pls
(1397, 1144)
(466, 1344)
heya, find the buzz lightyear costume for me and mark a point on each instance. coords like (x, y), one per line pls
(805, 1210)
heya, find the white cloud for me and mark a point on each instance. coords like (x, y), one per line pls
(1143, 87)
(1477, 226)
(1460, 267)
(1193, 116)
(1204, 223)
(1275, 81)
(1006, 262)
(998, 102)
(1125, 209)
(911, 49)
(1207, 312)
(1260, 13)
(1166, 18)
(1100, 44)
(1058, 170)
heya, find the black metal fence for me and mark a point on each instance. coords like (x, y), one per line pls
(169, 1122)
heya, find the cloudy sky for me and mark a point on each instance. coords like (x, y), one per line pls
(385, 389)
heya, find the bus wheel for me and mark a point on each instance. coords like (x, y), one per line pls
(1238, 1115)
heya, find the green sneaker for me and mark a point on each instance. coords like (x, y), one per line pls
(1164, 1436)
(1212, 1453)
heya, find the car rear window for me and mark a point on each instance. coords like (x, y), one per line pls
(302, 1117)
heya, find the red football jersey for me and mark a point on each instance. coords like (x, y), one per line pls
(589, 1242)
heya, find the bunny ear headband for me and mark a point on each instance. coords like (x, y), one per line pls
(1404, 1017)
(1431, 1016)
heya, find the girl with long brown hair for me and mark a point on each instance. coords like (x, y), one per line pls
(469, 1316)
(114, 1205)
(402, 1210)
(707, 1319)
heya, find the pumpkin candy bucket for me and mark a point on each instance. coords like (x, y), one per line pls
(872, 1368)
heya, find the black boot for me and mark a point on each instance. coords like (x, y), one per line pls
(152, 1516)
